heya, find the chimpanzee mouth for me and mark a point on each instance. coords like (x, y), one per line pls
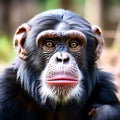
(62, 81)
(62, 78)
(61, 85)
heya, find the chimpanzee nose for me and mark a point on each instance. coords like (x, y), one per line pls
(62, 57)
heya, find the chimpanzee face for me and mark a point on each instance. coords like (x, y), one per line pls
(61, 78)
(57, 49)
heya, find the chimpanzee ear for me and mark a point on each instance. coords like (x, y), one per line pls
(19, 40)
(100, 41)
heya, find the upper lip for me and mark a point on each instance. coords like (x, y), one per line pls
(62, 78)
(65, 79)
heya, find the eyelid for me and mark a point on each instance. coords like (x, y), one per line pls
(49, 34)
(46, 47)
(49, 41)
(75, 34)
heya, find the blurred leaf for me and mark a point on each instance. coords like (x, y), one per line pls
(6, 50)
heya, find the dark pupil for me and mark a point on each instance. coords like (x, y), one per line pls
(49, 44)
(73, 45)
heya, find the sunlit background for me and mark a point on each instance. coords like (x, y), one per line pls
(104, 13)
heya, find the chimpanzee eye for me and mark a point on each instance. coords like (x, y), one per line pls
(73, 44)
(76, 45)
(48, 44)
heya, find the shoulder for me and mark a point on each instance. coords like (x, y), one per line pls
(105, 89)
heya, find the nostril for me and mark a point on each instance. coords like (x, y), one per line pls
(58, 59)
(66, 60)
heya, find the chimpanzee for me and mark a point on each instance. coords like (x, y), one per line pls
(55, 76)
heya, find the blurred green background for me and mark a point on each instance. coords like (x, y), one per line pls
(104, 13)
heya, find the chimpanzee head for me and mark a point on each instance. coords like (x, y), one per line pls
(57, 50)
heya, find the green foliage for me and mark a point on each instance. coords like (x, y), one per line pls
(79, 1)
(51, 4)
(6, 50)
(115, 2)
